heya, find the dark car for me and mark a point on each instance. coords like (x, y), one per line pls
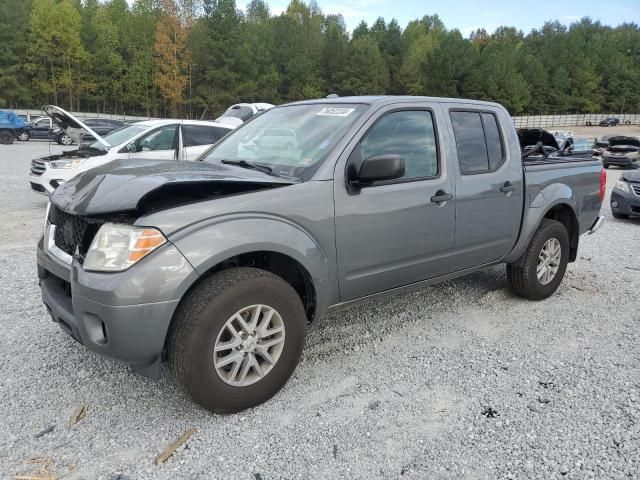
(625, 196)
(43, 128)
(622, 151)
(609, 122)
(102, 126)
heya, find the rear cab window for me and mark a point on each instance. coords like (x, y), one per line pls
(478, 141)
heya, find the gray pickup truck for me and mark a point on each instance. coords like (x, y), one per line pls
(218, 266)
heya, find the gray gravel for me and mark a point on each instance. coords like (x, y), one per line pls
(460, 380)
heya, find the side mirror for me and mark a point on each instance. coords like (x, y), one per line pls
(132, 148)
(379, 168)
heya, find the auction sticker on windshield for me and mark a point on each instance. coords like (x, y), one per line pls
(335, 112)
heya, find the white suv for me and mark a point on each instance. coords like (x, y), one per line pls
(152, 139)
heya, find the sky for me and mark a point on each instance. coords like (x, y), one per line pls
(468, 15)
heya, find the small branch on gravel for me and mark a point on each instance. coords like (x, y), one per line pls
(44, 472)
(78, 415)
(171, 449)
(633, 268)
(44, 432)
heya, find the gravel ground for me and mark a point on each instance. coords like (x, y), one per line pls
(459, 380)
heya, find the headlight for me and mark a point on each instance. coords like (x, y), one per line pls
(66, 163)
(622, 185)
(116, 247)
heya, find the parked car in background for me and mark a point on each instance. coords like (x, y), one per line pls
(609, 122)
(28, 117)
(584, 143)
(11, 127)
(622, 151)
(102, 126)
(625, 196)
(155, 139)
(46, 128)
(241, 112)
(219, 265)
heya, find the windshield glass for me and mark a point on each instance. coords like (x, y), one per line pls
(120, 135)
(292, 140)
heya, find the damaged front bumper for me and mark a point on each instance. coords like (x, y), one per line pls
(124, 315)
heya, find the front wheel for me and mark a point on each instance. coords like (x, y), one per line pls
(236, 339)
(545, 262)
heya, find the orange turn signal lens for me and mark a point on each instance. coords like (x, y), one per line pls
(147, 242)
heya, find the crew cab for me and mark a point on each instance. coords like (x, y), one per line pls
(220, 265)
(157, 139)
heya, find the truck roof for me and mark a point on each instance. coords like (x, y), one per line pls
(391, 99)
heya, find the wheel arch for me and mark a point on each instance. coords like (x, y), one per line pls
(562, 210)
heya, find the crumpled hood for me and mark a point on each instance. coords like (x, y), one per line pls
(623, 140)
(122, 186)
(631, 176)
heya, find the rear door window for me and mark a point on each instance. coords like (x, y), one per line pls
(194, 135)
(478, 142)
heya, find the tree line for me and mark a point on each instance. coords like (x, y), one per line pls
(194, 58)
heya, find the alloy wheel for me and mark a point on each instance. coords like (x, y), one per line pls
(249, 345)
(549, 261)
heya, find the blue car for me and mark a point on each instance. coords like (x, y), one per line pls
(11, 127)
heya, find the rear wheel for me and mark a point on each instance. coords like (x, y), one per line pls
(24, 136)
(545, 262)
(6, 137)
(65, 139)
(236, 339)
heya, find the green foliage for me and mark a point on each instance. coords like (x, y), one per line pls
(203, 55)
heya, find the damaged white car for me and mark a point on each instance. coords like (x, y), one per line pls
(151, 139)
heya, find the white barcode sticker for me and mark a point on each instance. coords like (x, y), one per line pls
(335, 112)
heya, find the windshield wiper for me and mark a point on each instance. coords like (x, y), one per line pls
(251, 166)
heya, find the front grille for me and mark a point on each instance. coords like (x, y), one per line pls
(72, 232)
(38, 167)
(636, 188)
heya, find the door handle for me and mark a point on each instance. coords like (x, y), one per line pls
(507, 187)
(441, 196)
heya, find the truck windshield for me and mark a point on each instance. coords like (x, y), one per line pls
(292, 140)
(120, 136)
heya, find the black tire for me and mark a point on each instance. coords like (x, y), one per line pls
(201, 316)
(6, 137)
(523, 278)
(619, 216)
(24, 137)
